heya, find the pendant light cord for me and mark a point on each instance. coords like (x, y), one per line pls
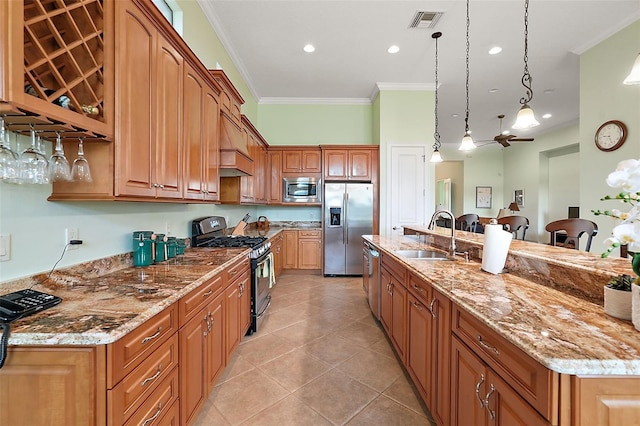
(526, 77)
(436, 134)
(466, 118)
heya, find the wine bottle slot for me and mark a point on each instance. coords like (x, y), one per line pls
(62, 101)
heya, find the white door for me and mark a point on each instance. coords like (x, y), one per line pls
(407, 198)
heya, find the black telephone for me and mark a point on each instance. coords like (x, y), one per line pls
(17, 305)
(24, 302)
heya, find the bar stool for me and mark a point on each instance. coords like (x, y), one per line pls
(514, 224)
(573, 229)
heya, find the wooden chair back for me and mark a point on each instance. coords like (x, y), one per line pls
(468, 222)
(514, 224)
(574, 229)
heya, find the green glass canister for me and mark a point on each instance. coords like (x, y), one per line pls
(142, 248)
(181, 246)
(161, 248)
(172, 247)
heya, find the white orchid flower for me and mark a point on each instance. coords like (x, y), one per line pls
(626, 176)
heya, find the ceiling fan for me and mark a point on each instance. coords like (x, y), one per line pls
(504, 139)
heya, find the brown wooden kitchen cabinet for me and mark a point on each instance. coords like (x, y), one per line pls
(274, 173)
(53, 385)
(277, 250)
(356, 163)
(480, 397)
(67, 49)
(237, 307)
(428, 346)
(301, 160)
(201, 111)
(149, 95)
(302, 249)
(393, 303)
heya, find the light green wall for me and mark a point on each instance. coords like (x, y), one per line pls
(203, 40)
(316, 124)
(603, 97)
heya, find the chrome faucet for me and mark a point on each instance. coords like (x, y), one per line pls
(432, 223)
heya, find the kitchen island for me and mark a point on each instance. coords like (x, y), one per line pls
(536, 328)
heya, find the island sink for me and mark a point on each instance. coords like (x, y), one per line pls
(423, 254)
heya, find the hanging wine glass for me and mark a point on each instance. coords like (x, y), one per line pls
(33, 165)
(8, 157)
(58, 164)
(80, 171)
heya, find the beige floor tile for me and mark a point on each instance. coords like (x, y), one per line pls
(264, 348)
(236, 366)
(244, 396)
(332, 349)
(336, 396)
(210, 416)
(383, 347)
(287, 412)
(302, 332)
(404, 393)
(362, 334)
(372, 369)
(384, 411)
(295, 369)
(276, 320)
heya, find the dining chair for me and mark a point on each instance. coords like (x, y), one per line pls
(513, 224)
(573, 229)
(468, 222)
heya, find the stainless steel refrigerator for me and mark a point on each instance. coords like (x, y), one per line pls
(347, 215)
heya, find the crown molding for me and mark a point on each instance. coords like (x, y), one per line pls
(314, 101)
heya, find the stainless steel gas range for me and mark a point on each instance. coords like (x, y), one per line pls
(210, 232)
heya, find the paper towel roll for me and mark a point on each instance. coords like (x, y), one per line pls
(496, 248)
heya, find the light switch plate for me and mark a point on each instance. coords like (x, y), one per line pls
(5, 247)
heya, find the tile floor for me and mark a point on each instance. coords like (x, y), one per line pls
(319, 358)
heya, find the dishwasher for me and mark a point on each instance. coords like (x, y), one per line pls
(371, 278)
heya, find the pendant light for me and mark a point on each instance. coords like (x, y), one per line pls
(634, 75)
(436, 157)
(467, 143)
(526, 118)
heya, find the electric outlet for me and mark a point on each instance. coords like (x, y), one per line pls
(167, 229)
(71, 234)
(5, 247)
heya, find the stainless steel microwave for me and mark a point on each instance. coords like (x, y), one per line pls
(301, 190)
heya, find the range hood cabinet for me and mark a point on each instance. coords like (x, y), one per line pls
(234, 154)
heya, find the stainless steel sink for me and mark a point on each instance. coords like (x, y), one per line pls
(423, 254)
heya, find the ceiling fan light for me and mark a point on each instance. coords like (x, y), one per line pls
(634, 75)
(467, 143)
(436, 157)
(525, 118)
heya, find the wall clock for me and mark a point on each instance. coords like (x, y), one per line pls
(611, 135)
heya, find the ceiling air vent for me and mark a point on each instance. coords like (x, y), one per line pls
(424, 20)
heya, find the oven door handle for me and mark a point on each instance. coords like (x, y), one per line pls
(265, 308)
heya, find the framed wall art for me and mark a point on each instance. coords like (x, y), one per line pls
(519, 197)
(483, 197)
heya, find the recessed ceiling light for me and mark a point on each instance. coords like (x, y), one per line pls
(493, 90)
(547, 116)
(495, 50)
(455, 115)
(393, 49)
(548, 91)
(309, 48)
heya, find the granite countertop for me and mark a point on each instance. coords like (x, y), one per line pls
(564, 332)
(100, 309)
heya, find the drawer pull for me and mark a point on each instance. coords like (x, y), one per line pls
(478, 390)
(209, 293)
(417, 306)
(487, 346)
(233, 272)
(152, 378)
(155, 416)
(418, 288)
(492, 414)
(433, 301)
(154, 336)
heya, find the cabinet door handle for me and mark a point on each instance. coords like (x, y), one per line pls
(212, 320)
(154, 336)
(433, 301)
(421, 290)
(478, 390)
(206, 321)
(492, 414)
(487, 346)
(209, 293)
(155, 416)
(152, 378)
